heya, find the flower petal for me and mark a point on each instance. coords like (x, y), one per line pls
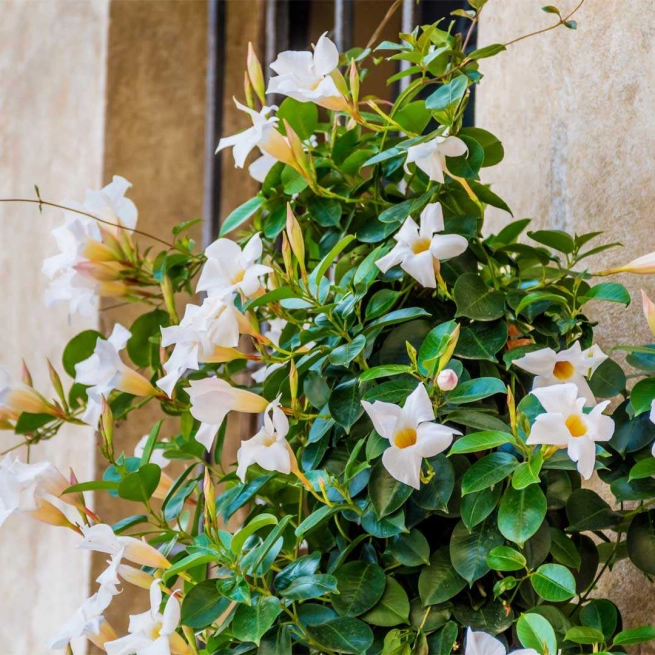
(447, 246)
(326, 56)
(403, 464)
(418, 407)
(433, 439)
(421, 268)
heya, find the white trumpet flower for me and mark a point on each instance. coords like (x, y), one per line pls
(87, 621)
(230, 269)
(16, 397)
(111, 205)
(420, 249)
(26, 488)
(262, 135)
(430, 156)
(152, 633)
(104, 371)
(308, 77)
(211, 401)
(261, 167)
(269, 447)
(565, 425)
(481, 643)
(572, 365)
(204, 333)
(411, 433)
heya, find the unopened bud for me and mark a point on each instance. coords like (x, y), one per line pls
(247, 90)
(649, 311)
(294, 233)
(354, 81)
(447, 379)
(450, 349)
(293, 382)
(25, 375)
(256, 75)
(56, 383)
(107, 430)
(210, 501)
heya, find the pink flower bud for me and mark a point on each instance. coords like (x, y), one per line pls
(447, 379)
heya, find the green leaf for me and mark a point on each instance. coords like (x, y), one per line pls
(397, 316)
(641, 541)
(635, 636)
(302, 116)
(413, 117)
(93, 485)
(329, 259)
(488, 471)
(609, 291)
(241, 214)
(473, 390)
(644, 468)
(564, 550)
(474, 299)
(521, 513)
(481, 340)
(325, 211)
(556, 239)
(608, 380)
(386, 371)
(28, 422)
(345, 403)
(342, 635)
(250, 622)
(504, 558)
(386, 493)
(553, 582)
(435, 495)
(443, 642)
(150, 443)
(487, 51)
(189, 562)
(411, 207)
(477, 506)
(343, 355)
(141, 350)
(260, 521)
(642, 395)
(202, 605)
(393, 391)
(469, 550)
(410, 549)
(361, 585)
(581, 634)
(602, 615)
(478, 441)
(391, 609)
(448, 94)
(141, 484)
(586, 510)
(305, 587)
(535, 631)
(439, 582)
(540, 296)
(434, 346)
(79, 348)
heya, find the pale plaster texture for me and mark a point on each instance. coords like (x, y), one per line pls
(574, 111)
(52, 94)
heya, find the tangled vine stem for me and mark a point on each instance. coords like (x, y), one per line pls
(45, 203)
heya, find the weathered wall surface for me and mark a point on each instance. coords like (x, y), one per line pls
(52, 79)
(154, 137)
(574, 112)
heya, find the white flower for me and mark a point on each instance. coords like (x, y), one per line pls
(263, 135)
(211, 401)
(308, 77)
(480, 643)
(420, 249)
(87, 621)
(152, 633)
(203, 335)
(565, 425)
(101, 538)
(261, 167)
(104, 371)
(111, 205)
(412, 435)
(24, 488)
(447, 379)
(157, 456)
(269, 447)
(260, 375)
(430, 156)
(567, 366)
(16, 397)
(229, 269)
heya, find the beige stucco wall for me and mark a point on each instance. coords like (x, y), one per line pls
(52, 79)
(574, 110)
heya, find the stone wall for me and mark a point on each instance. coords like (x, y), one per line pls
(574, 110)
(52, 96)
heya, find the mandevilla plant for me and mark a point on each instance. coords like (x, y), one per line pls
(431, 399)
